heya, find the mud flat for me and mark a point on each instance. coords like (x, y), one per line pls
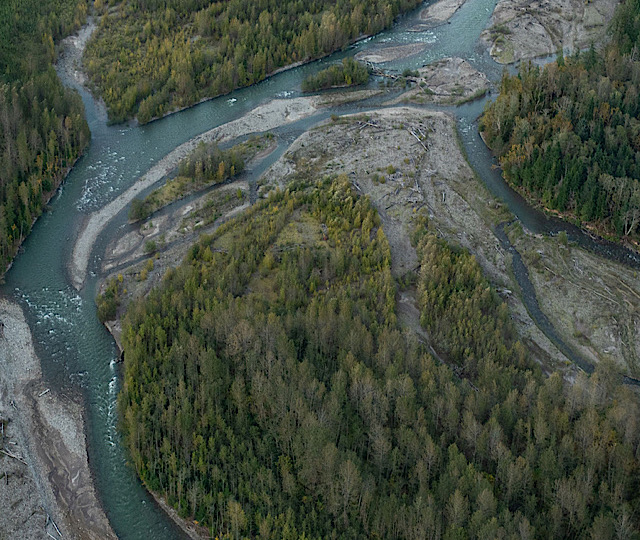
(47, 489)
(447, 81)
(408, 162)
(520, 29)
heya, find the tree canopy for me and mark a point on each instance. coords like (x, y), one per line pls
(568, 134)
(43, 129)
(269, 392)
(348, 73)
(151, 57)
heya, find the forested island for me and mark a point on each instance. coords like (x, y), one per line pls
(149, 58)
(349, 73)
(269, 392)
(43, 130)
(207, 165)
(568, 134)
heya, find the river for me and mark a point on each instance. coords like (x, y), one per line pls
(77, 353)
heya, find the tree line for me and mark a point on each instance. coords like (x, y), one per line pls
(270, 392)
(43, 130)
(151, 57)
(568, 134)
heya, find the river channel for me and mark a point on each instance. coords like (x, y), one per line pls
(77, 353)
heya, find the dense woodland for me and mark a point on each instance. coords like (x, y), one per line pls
(42, 125)
(150, 57)
(269, 392)
(348, 73)
(568, 134)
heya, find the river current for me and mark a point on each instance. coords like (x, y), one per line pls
(77, 353)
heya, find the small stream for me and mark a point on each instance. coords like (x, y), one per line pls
(530, 301)
(77, 353)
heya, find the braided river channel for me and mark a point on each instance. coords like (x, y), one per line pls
(79, 356)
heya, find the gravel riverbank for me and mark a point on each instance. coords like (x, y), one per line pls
(47, 489)
(263, 118)
(522, 29)
(440, 12)
(69, 63)
(408, 161)
(44, 466)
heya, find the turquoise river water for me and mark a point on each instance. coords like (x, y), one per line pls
(77, 353)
